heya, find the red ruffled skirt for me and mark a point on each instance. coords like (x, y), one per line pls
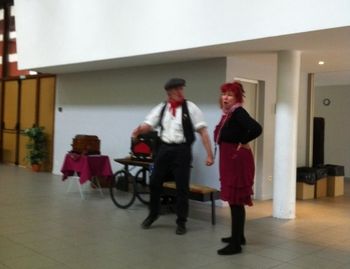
(237, 171)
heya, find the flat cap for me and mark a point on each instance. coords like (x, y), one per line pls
(174, 83)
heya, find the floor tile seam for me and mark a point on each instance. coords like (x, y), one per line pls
(316, 258)
(39, 254)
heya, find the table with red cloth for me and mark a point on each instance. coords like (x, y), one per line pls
(86, 166)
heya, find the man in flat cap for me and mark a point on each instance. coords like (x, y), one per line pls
(178, 120)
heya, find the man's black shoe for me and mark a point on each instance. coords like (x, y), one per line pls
(181, 229)
(146, 224)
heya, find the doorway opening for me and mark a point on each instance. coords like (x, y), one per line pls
(254, 104)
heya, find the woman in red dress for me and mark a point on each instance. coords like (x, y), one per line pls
(233, 133)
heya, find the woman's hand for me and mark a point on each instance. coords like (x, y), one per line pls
(245, 146)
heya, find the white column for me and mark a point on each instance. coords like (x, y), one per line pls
(286, 134)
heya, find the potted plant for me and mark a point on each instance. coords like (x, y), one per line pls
(36, 147)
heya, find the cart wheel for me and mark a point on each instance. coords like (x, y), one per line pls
(122, 189)
(142, 179)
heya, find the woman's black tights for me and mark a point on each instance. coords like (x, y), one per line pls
(237, 224)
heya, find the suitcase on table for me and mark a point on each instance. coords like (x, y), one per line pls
(86, 145)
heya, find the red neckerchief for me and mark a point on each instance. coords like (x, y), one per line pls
(173, 105)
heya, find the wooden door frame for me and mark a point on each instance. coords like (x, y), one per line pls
(1, 119)
(18, 119)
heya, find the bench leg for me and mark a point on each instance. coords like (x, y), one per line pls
(213, 216)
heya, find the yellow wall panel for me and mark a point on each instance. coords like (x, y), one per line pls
(28, 103)
(10, 104)
(46, 113)
(9, 147)
(23, 140)
(47, 104)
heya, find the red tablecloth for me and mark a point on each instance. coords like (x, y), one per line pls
(86, 166)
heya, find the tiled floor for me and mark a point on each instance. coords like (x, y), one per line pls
(42, 226)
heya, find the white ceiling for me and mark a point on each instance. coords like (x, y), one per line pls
(331, 46)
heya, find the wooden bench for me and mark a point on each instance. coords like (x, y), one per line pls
(198, 193)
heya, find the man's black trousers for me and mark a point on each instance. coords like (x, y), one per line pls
(173, 162)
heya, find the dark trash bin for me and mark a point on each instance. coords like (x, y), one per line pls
(335, 170)
(321, 172)
(306, 180)
(306, 175)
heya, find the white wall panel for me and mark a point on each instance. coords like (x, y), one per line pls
(59, 32)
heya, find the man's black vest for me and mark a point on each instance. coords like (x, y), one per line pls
(186, 123)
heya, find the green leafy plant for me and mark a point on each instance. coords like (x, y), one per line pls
(36, 146)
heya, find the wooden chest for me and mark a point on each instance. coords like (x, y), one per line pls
(86, 144)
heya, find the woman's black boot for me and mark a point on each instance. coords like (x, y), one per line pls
(234, 246)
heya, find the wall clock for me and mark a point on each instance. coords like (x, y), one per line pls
(326, 102)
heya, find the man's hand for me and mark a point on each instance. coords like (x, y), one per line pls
(209, 161)
(135, 133)
(141, 129)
